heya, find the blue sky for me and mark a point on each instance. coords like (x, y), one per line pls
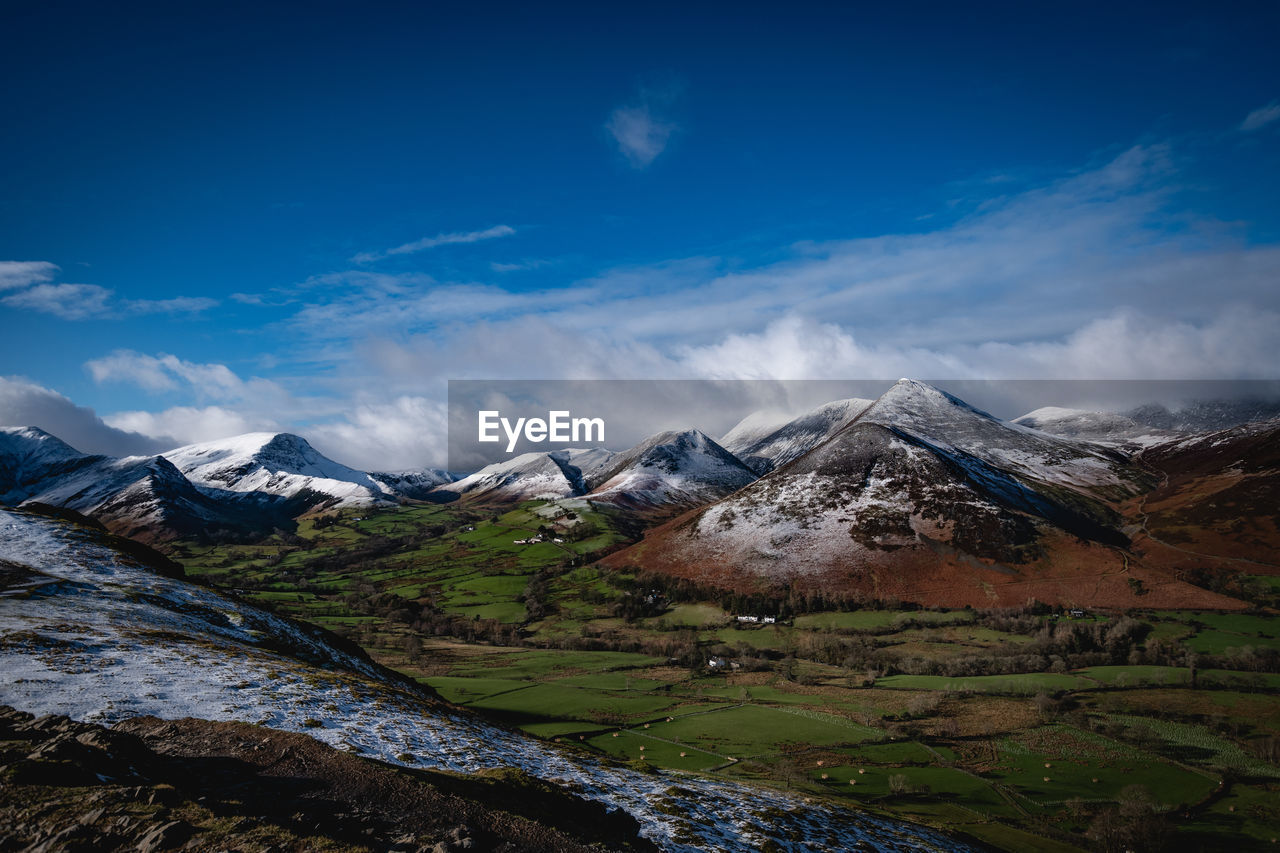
(221, 218)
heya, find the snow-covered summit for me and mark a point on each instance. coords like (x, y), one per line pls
(412, 484)
(911, 401)
(279, 464)
(29, 455)
(949, 424)
(141, 496)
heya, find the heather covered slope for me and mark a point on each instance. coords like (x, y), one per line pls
(1218, 503)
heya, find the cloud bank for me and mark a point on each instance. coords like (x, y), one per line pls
(1102, 273)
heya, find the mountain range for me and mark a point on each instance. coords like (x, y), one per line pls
(913, 495)
(239, 486)
(922, 497)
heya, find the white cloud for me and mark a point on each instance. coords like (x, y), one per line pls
(24, 403)
(1095, 275)
(640, 135)
(176, 305)
(1124, 344)
(1261, 117)
(438, 240)
(518, 266)
(1037, 265)
(166, 372)
(67, 301)
(403, 433)
(794, 347)
(83, 301)
(183, 425)
(15, 274)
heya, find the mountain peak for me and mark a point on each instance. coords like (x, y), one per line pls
(276, 463)
(28, 454)
(910, 400)
(37, 436)
(672, 468)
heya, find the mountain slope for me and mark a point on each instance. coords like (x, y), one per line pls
(148, 783)
(28, 456)
(88, 633)
(1206, 415)
(670, 470)
(1218, 504)
(418, 485)
(766, 443)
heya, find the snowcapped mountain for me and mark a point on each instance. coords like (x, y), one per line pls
(1098, 427)
(671, 469)
(923, 498)
(29, 455)
(1144, 426)
(951, 425)
(765, 443)
(90, 633)
(144, 497)
(277, 464)
(530, 476)
(247, 484)
(675, 469)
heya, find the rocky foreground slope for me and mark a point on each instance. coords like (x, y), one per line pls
(147, 784)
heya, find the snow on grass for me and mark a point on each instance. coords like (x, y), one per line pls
(96, 638)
